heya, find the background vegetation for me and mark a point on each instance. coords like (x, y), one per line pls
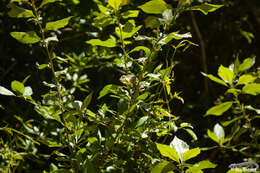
(137, 102)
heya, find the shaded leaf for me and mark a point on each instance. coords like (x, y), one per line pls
(141, 121)
(154, 7)
(151, 22)
(107, 89)
(128, 30)
(18, 12)
(58, 24)
(163, 167)
(26, 37)
(87, 101)
(206, 8)
(219, 109)
(44, 2)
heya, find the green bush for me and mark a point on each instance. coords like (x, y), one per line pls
(111, 107)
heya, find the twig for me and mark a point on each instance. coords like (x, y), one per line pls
(202, 48)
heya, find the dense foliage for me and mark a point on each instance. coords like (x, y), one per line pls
(126, 86)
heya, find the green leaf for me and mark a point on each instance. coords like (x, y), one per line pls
(163, 167)
(191, 132)
(44, 2)
(220, 133)
(86, 101)
(18, 12)
(154, 7)
(245, 79)
(190, 154)
(107, 43)
(215, 79)
(151, 22)
(58, 24)
(128, 30)
(246, 64)
(115, 4)
(176, 36)
(130, 14)
(226, 74)
(141, 121)
(107, 89)
(226, 123)
(27, 91)
(143, 96)
(253, 89)
(213, 136)
(168, 151)
(17, 87)
(42, 66)
(145, 49)
(205, 164)
(206, 8)
(219, 109)
(180, 147)
(6, 92)
(26, 37)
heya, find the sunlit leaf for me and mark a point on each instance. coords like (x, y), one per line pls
(168, 151)
(26, 37)
(219, 131)
(17, 87)
(58, 24)
(219, 109)
(107, 43)
(180, 147)
(191, 132)
(145, 49)
(115, 3)
(253, 89)
(44, 2)
(246, 78)
(205, 164)
(205, 8)
(190, 154)
(226, 74)
(215, 79)
(154, 7)
(130, 14)
(6, 92)
(246, 64)
(27, 91)
(18, 12)
(213, 136)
